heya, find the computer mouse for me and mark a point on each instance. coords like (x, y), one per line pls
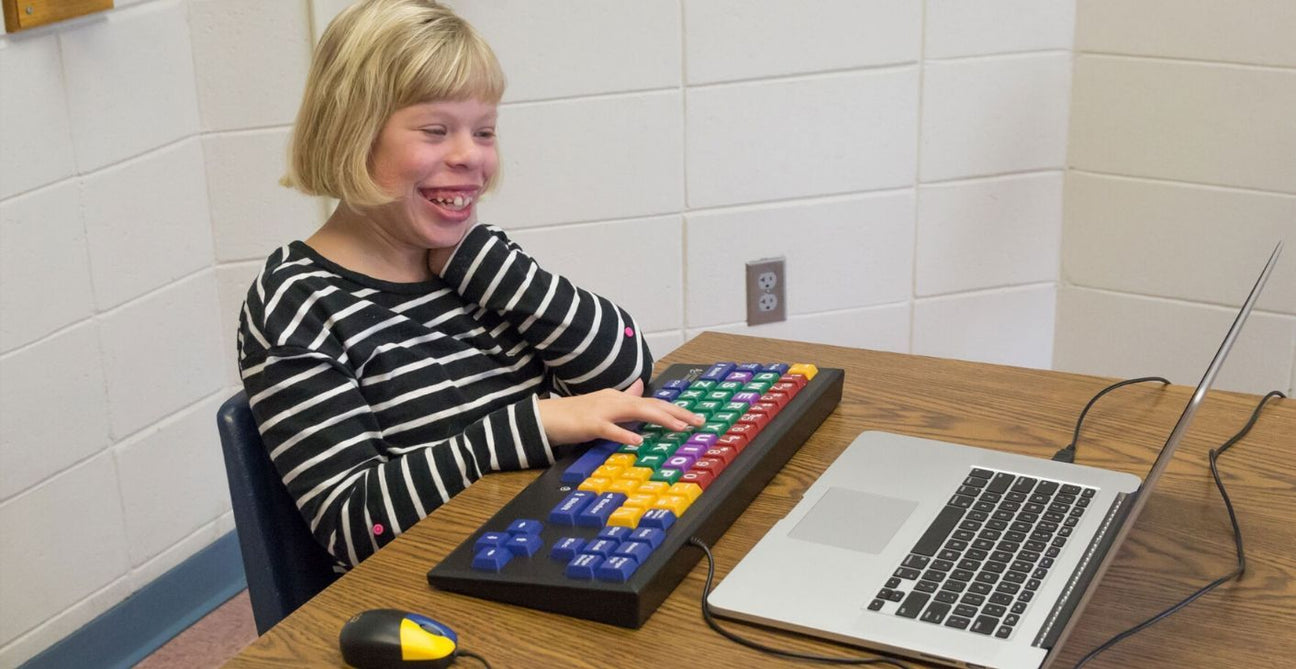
(391, 638)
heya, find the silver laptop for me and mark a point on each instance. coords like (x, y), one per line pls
(947, 552)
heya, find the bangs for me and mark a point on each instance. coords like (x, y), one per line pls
(453, 67)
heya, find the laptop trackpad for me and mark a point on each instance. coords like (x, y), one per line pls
(854, 520)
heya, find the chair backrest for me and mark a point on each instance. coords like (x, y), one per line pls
(285, 565)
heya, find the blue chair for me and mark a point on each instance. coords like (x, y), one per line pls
(285, 566)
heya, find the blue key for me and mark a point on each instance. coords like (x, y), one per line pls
(596, 514)
(601, 547)
(614, 532)
(649, 535)
(490, 539)
(589, 461)
(675, 384)
(492, 558)
(637, 550)
(718, 371)
(667, 394)
(583, 566)
(616, 569)
(571, 506)
(778, 368)
(567, 548)
(752, 367)
(525, 526)
(659, 518)
(524, 544)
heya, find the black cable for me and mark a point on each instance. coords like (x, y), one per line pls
(466, 653)
(1237, 538)
(710, 621)
(1067, 453)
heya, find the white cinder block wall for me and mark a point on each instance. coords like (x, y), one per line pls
(1182, 177)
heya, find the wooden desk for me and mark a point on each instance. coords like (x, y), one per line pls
(1241, 624)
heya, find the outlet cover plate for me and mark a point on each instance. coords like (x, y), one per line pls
(766, 291)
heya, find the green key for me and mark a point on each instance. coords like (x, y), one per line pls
(758, 387)
(705, 385)
(730, 387)
(692, 395)
(715, 427)
(650, 461)
(632, 449)
(708, 407)
(670, 476)
(729, 417)
(663, 449)
(719, 396)
(684, 404)
(766, 377)
(674, 438)
(738, 407)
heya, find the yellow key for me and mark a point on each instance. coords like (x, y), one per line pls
(626, 516)
(637, 473)
(640, 500)
(673, 502)
(690, 490)
(621, 460)
(607, 472)
(653, 488)
(595, 485)
(626, 487)
(805, 370)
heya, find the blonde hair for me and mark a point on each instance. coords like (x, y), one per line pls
(376, 57)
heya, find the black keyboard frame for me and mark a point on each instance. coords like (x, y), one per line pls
(539, 582)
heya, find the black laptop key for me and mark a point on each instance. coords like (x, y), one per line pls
(985, 625)
(1019, 608)
(965, 610)
(969, 491)
(912, 605)
(953, 587)
(915, 562)
(946, 597)
(1000, 482)
(935, 613)
(907, 573)
(1003, 632)
(893, 582)
(979, 588)
(1087, 492)
(1047, 487)
(936, 533)
(960, 501)
(977, 481)
(957, 622)
(1023, 484)
(980, 473)
(949, 555)
(1070, 489)
(876, 605)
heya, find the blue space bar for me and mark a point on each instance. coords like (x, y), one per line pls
(589, 461)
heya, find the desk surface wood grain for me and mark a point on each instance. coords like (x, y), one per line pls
(1182, 541)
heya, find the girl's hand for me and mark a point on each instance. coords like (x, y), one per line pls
(571, 420)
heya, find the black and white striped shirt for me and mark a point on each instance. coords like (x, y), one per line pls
(378, 401)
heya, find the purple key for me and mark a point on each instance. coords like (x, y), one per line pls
(739, 377)
(680, 462)
(636, 550)
(703, 439)
(571, 506)
(694, 451)
(490, 539)
(718, 371)
(525, 526)
(616, 569)
(597, 513)
(589, 461)
(661, 519)
(583, 566)
(648, 535)
(567, 548)
(524, 544)
(746, 397)
(492, 558)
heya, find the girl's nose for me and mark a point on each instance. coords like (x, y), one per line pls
(464, 151)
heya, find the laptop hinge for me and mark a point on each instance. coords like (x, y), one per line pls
(1084, 572)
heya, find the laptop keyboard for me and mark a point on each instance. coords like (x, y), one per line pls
(980, 563)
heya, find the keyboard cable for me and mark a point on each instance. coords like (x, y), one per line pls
(1237, 539)
(711, 622)
(1067, 453)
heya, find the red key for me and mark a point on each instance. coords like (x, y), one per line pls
(745, 429)
(735, 441)
(725, 454)
(713, 465)
(791, 389)
(768, 408)
(699, 476)
(798, 379)
(757, 420)
(777, 398)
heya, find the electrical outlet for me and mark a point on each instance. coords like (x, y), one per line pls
(766, 291)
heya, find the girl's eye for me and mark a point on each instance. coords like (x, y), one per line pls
(435, 131)
(486, 134)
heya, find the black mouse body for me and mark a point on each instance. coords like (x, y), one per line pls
(391, 638)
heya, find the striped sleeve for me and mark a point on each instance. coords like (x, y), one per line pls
(586, 342)
(357, 491)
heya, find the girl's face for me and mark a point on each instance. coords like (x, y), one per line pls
(434, 158)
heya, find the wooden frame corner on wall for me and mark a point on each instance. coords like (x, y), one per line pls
(24, 14)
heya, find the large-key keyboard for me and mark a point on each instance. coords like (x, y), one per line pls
(598, 535)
